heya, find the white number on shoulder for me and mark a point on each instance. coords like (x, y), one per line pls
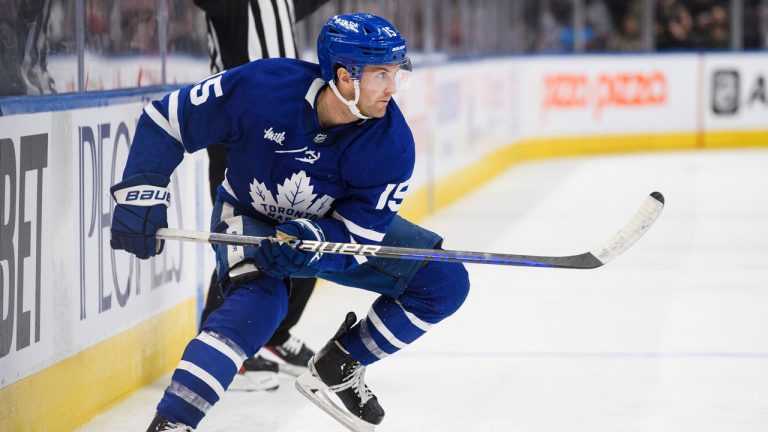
(200, 92)
(397, 197)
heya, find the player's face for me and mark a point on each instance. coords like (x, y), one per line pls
(377, 85)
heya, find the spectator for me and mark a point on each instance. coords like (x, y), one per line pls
(24, 48)
(629, 37)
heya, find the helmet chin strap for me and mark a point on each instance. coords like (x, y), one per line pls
(352, 105)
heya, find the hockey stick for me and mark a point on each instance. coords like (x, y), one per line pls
(615, 246)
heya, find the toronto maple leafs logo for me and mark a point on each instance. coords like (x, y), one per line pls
(295, 199)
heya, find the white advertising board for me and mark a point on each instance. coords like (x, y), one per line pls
(460, 112)
(29, 279)
(63, 288)
(735, 91)
(597, 95)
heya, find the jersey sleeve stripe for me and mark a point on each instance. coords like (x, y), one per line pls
(159, 120)
(173, 115)
(358, 230)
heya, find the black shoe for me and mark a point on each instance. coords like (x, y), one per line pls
(256, 374)
(333, 370)
(160, 423)
(291, 356)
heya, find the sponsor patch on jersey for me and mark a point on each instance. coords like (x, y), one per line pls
(271, 135)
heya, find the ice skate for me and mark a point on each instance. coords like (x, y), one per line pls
(160, 423)
(292, 356)
(256, 374)
(332, 371)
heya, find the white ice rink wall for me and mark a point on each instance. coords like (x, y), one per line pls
(473, 120)
(82, 326)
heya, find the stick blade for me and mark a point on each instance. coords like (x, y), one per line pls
(642, 220)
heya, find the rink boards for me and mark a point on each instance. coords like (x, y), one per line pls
(81, 326)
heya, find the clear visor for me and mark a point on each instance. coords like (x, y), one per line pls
(392, 77)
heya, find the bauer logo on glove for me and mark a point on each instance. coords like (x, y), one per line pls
(141, 204)
(143, 196)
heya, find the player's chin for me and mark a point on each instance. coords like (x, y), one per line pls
(378, 110)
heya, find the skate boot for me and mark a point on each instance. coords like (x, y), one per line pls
(160, 423)
(256, 374)
(334, 371)
(291, 356)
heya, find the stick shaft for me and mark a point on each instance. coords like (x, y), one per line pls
(640, 222)
(386, 251)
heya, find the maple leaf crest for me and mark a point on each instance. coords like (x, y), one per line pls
(295, 194)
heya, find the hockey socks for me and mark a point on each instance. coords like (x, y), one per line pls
(437, 290)
(206, 369)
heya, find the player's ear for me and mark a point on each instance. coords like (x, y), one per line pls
(343, 76)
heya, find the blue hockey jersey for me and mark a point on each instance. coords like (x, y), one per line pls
(350, 179)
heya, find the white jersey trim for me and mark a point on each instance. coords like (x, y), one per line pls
(159, 120)
(227, 187)
(173, 115)
(358, 230)
(315, 87)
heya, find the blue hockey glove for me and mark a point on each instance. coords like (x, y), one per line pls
(280, 260)
(141, 209)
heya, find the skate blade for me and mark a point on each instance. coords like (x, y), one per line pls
(255, 381)
(314, 390)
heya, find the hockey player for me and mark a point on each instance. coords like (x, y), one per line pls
(317, 152)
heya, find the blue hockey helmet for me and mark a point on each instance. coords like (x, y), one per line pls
(356, 40)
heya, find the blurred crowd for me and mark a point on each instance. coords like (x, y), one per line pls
(124, 27)
(34, 31)
(615, 25)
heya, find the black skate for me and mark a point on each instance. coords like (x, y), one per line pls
(334, 371)
(160, 423)
(256, 374)
(291, 356)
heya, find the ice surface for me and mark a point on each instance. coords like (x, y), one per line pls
(671, 336)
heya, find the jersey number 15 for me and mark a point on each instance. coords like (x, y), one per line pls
(200, 92)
